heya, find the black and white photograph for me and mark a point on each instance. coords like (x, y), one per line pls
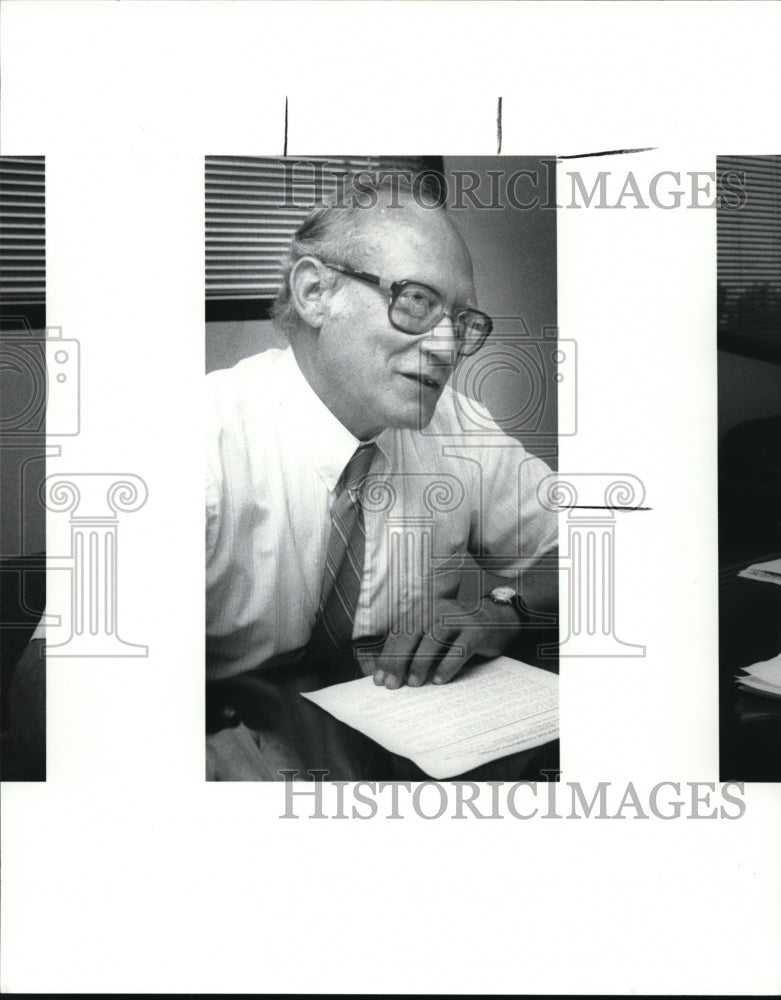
(389, 539)
(749, 370)
(26, 403)
(421, 608)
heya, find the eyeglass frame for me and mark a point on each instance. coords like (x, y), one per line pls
(393, 290)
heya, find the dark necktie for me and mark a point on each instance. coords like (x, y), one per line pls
(333, 628)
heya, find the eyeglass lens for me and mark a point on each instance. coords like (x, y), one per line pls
(417, 309)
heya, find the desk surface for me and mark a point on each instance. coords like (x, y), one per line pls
(749, 631)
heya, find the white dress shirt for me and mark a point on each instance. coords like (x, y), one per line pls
(433, 498)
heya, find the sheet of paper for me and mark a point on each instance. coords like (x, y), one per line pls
(756, 686)
(764, 677)
(769, 571)
(767, 670)
(490, 710)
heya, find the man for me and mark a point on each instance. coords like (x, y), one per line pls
(344, 499)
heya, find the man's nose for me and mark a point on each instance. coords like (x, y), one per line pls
(442, 342)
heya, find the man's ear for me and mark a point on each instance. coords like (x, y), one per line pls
(308, 290)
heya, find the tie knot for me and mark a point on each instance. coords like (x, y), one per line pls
(357, 469)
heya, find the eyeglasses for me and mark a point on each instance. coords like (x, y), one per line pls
(416, 308)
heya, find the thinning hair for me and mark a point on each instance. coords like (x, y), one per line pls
(337, 229)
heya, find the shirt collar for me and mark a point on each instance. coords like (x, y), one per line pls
(319, 434)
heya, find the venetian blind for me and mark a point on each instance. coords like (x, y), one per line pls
(253, 207)
(22, 230)
(749, 250)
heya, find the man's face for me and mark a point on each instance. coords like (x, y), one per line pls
(375, 375)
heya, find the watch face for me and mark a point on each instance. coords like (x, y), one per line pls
(503, 595)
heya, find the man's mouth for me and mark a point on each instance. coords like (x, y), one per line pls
(424, 380)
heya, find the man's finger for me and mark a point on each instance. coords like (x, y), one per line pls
(367, 652)
(429, 651)
(395, 658)
(451, 663)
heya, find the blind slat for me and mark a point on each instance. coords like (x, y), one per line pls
(253, 207)
(22, 230)
(748, 251)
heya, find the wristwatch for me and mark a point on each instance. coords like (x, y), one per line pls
(508, 597)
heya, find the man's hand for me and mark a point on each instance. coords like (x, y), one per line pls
(439, 654)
